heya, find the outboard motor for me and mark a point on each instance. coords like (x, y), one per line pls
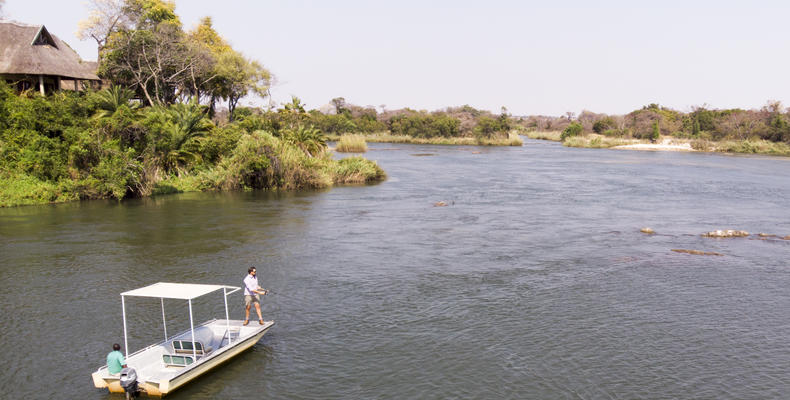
(129, 382)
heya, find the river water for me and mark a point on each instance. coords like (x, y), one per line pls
(533, 282)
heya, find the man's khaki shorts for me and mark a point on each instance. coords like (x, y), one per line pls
(248, 300)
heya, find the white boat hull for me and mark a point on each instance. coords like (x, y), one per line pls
(161, 387)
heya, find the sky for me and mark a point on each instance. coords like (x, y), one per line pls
(533, 57)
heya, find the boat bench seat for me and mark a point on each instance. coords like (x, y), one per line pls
(185, 347)
(177, 361)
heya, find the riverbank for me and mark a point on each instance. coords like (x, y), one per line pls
(512, 139)
(666, 143)
(259, 161)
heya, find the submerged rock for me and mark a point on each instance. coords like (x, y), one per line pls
(765, 235)
(697, 252)
(440, 204)
(786, 237)
(648, 231)
(726, 234)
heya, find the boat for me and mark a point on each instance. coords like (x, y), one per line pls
(163, 367)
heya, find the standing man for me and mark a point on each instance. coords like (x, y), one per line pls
(251, 292)
(115, 361)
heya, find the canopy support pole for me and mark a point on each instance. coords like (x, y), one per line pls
(164, 321)
(192, 328)
(227, 316)
(125, 340)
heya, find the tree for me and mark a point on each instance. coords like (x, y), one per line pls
(111, 99)
(176, 127)
(149, 55)
(340, 105)
(574, 129)
(106, 17)
(309, 139)
(237, 77)
(656, 132)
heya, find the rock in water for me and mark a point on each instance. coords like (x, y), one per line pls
(440, 204)
(648, 231)
(726, 234)
(697, 252)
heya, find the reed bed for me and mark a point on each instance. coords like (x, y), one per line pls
(597, 141)
(748, 147)
(544, 135)
(351, 144)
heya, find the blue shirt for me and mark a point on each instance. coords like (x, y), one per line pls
(115, 362)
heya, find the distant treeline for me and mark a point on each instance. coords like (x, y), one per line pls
(768, 123)
(344, 118)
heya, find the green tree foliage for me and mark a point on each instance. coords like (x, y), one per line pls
(176, 131)
(110, 100)
(602, 125)
(151, 53)
(424, 125)
(656, 133)
(574, 129)
(309, 139)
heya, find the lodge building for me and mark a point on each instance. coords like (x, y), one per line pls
(33, 58)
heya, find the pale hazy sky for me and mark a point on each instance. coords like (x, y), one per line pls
(534, 57)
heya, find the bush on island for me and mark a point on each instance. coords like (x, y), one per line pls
(574, 129)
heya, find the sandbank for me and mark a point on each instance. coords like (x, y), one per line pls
(665, 145)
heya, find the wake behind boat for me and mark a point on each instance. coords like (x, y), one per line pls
(165, 366)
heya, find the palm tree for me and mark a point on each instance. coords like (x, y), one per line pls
(113, 98)
(309, 139)
(183, 125)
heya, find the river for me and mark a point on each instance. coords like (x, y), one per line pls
(532, 282)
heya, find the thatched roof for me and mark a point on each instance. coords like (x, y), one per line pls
(32, 50)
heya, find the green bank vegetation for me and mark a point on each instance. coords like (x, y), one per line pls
(165, 133)
(762, 131)
(70, 146)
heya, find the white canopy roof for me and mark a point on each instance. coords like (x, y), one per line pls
(183, 291)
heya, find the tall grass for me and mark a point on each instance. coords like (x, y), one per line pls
(262, 161)
(752, 147)
(595, 141)
(22, 189)
(351, 144)
(544, 135)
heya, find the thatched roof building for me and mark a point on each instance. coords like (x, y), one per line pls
(31, 57)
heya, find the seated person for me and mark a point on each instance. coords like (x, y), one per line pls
(115, 361)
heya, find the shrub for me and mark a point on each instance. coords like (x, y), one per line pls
(656, 132)
(603, 125)
(574, 129)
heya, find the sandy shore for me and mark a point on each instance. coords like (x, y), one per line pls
(665, 145)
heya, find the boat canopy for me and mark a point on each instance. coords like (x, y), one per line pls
(182, 291)
(179, 291)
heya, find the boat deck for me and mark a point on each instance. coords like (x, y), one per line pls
(167, 359)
